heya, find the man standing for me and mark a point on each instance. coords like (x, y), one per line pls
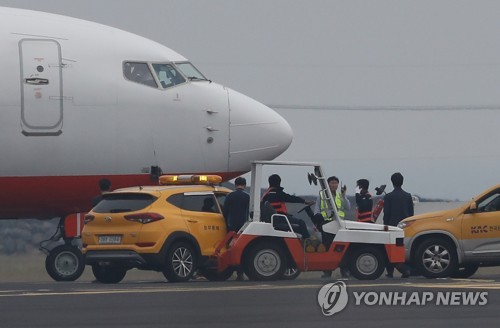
(236, 211)
(236, 206)
(341, 201)
(398, 205)
(364, 202)
(342, 204)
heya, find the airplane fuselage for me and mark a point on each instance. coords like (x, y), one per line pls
(73, 111)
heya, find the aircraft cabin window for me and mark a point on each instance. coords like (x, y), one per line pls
(190, 71)
(140, 73)
(168, 75)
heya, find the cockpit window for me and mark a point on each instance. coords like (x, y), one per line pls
(140, 73)
(190, 71)
(168, 75)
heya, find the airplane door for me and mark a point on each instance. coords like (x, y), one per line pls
(41, 87)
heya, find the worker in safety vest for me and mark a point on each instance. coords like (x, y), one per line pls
(341, 201)
(342, 204)
(277, 198)
(364, 202)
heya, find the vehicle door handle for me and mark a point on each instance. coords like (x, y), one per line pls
(192, 221)
(36, 81)
(211, 129)
(209, 111)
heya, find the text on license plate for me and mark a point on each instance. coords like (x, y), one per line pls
(111, 239)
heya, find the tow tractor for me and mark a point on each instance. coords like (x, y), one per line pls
(266, 249)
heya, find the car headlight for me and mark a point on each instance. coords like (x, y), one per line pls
(405, 224)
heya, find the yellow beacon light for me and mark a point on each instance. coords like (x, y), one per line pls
(168, 180)
(172, 180)
(206, 179)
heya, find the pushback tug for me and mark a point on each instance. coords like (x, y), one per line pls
(265, 250)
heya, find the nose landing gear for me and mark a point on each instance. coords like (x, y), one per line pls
(65, 261)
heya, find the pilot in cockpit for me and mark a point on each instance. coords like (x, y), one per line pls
(140, 73)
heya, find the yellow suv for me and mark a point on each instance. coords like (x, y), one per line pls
(455, 242)
(172, 228)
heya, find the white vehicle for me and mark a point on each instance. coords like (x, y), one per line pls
(266, 250)
(82, 101)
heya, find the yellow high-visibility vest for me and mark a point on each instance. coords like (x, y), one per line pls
(338, 203)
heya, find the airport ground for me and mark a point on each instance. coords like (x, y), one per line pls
(29, 298)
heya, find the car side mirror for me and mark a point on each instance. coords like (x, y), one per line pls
(473, 207)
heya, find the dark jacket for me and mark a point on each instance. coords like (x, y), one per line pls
(236, 209)
(276, 195)
(398, 205)
(364, 202)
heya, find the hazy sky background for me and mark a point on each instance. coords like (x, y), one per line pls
(369, 87)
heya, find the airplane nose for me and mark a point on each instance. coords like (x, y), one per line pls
(256, 132)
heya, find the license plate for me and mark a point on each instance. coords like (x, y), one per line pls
(110, 240)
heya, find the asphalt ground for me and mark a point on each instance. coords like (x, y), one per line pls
(200, 303)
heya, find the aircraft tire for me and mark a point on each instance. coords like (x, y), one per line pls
(65, 263)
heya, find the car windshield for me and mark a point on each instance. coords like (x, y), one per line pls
(190, 71)
(124, 202)
(168, 75)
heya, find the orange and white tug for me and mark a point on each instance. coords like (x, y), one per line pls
(266, 251)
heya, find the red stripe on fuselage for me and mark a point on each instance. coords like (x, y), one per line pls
(58, 196)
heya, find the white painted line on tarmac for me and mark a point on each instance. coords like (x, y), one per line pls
(461, 284)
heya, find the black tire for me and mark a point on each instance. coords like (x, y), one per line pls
(108, 274)
(366, 263)
(265, 261)
(65, 263)
(291, 273)
(180, 263)
(212, 274)
(465, 271)
(436, 258)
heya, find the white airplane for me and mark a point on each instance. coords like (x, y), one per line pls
(81, 101)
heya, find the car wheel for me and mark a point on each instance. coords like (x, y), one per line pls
(291, 273)
(436, 258)
(213, 275)
(108, 274)
(465, 271)
(65, 263)
(366, 263)
(265, 261)
(180, 263)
